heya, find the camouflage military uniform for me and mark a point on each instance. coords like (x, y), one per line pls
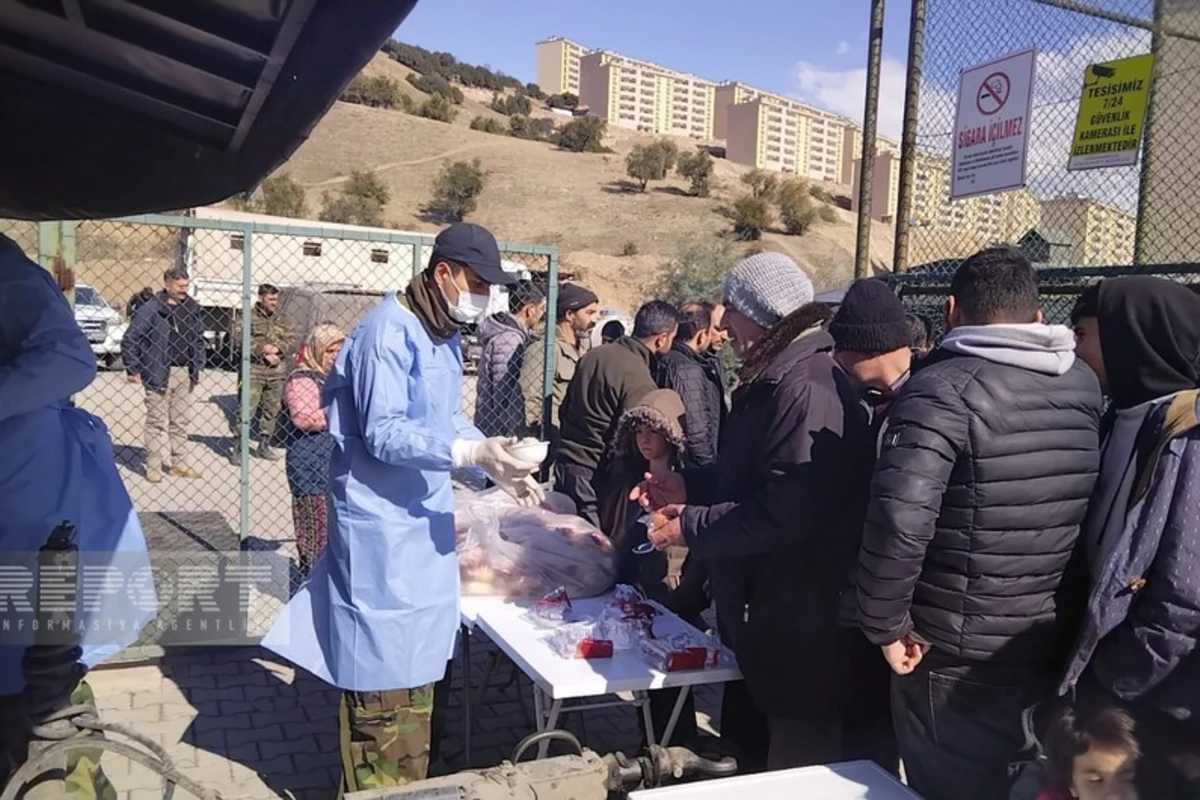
(84, 778)
(267, 380)
(385, 737)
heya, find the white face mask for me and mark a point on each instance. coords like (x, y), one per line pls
(469, 308)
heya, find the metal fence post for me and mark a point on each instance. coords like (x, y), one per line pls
(866, 172)
(551, 346)
(908, 141)
(1148, 150)
(244, 383)
(56, 254)
(416, 260)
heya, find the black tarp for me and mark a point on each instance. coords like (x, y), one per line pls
(117, 107)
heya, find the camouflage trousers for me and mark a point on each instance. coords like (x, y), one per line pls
(84, 779)
(385, 737)
(266, 400)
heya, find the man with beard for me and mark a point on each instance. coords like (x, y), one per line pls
(776, 549)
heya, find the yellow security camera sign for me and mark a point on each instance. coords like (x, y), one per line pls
(1112, 113)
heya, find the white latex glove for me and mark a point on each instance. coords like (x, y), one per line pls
(491, 455)
(529, 493)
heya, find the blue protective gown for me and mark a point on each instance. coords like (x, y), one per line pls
(57, 464)
(380, 608)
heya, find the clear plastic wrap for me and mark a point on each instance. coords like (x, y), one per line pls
(528, 552)
(581, 640)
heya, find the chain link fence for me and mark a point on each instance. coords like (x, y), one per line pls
(1063, 218)
(220, 467)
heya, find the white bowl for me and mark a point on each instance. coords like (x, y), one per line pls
(530, 450)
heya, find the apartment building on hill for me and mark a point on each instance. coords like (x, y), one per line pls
(772, 132)
(1099, 234)
(885, 186)
(558, 65)
(644, 96)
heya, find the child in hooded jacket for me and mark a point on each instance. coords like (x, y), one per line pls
(650, 440)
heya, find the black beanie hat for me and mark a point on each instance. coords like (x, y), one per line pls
(572, 297)
(870, 319)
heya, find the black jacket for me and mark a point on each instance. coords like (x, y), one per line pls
(777, 549)
(608, 381)
(695, 377)
(144, 350)
(976, 504)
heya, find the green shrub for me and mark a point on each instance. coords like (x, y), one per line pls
(488, 125)
(511, 105)
(828, 214)
(751, 216)
(436, 85)
(582, 135)
(796, 210)
(629, 249)
(439, 108)
(538, 130)
(698, 169)
(763, 184)
(379, 91)
(456, 190)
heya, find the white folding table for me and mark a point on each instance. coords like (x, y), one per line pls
(557, 679)
(853, 780)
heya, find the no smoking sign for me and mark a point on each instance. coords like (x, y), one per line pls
(993, 93)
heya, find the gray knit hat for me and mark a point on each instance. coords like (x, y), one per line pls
(766, 287)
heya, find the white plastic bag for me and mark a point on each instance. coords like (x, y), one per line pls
(528, 552)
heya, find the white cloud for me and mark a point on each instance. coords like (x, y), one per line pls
(844, 92)
(843, 47)
(1056, 96)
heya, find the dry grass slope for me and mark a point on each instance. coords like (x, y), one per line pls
(580, 203)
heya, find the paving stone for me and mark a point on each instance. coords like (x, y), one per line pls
(177, 711)
(286, 718)
(244, 753)
(212, 741)
(137, 717)
(208, 695)
(188, 682)
(267, 733)
(303, 746)
(239, 722)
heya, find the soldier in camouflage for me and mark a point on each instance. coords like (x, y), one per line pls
(272, 341)
(385, 738)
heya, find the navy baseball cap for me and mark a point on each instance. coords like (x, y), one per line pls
(474, 246)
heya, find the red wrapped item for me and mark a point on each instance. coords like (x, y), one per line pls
(670, 656)
(555, 607)
(581, 640)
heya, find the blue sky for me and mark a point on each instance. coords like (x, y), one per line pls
(765, 48)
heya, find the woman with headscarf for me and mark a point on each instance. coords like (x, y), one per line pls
(309, 441)
(1141, 538)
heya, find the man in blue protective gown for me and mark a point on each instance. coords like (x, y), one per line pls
(379, 613)
(57, 465)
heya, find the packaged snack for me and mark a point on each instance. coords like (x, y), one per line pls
(581, 640)
(673, 655)
(554, 607)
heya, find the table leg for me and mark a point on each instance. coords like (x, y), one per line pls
(643, 701)
(551, 722)
(467, 692)
(675, 713)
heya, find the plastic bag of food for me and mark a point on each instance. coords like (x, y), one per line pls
(529, 552)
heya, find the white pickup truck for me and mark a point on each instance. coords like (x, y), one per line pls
(101, 322)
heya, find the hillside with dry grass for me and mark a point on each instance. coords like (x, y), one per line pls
(581, 203)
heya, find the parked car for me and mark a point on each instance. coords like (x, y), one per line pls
(101, 322)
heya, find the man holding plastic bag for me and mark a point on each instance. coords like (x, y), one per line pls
(379, 613)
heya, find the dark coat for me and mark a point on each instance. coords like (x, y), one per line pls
(500, 397)
(781, 529)
(697, 379)
(144, 348)
(608, 381)
(976, 505)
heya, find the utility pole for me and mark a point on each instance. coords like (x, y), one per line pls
(908, 139)
(866, 172)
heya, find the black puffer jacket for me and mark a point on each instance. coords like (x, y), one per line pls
(696, 379)
(976, 504)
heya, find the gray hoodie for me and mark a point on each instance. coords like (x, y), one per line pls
(1048, 349)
